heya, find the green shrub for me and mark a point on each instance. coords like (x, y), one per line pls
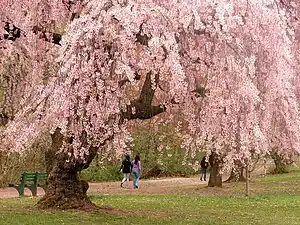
(160, 152)
(14, 164)
(102, 173)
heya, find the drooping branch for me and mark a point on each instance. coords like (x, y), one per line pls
(142, 107)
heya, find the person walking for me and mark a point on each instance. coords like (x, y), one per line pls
(204, 165)
(136, 171)
(126, 169)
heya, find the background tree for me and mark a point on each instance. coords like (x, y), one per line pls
(250, 77)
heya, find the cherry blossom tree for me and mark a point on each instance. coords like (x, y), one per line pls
(229, 66)
(250, 80)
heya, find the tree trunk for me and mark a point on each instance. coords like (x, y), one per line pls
(280, 164)
(65, 189)
(265, 167)
(236, 176)
(215, 178)
(237, 173)
(247, 180)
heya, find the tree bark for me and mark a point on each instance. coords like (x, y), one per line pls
(65, 189)
(236, 176)
(247, 180)
(237, 173)
(215, 178)
(280, 162)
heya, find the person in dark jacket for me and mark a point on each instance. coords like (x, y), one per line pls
(126, 169)
(204, 165)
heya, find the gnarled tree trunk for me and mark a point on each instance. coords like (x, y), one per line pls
(280, 162)
(237, 173)
(236, 176)
(215, 178)
(65, 189)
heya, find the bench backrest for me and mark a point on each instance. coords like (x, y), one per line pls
(28, 177)
(34, 177)
(42, 177)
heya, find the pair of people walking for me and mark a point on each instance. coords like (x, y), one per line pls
(133, 167)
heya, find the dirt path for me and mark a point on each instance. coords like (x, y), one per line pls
(157, 186)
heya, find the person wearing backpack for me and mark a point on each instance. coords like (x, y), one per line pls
(126, 169)
(136, 171)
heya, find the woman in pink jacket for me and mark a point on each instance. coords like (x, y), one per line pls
(136, 171)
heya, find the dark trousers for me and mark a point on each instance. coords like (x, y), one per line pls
(203, 174)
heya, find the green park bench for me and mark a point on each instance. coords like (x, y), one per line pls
(31, 181)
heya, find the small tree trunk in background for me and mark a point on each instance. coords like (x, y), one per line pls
(280, 164)
(237, 173)
(247, 179)
(65, 189)
(215, 178)
(265, 167)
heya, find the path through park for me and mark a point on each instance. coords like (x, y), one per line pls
(156, 186)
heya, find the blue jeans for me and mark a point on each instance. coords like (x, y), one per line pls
(136, 176)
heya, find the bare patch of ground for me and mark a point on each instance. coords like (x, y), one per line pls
(156, 186)
(12, 192)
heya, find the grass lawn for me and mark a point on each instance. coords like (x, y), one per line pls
(275, 200)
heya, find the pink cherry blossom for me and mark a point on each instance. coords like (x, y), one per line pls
(231, 68)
